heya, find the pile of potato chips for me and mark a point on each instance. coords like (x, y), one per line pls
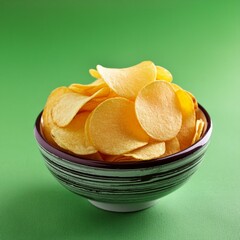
(127, 114)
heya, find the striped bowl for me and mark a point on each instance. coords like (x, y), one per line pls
(127, 186)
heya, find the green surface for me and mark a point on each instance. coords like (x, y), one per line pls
(46, 44)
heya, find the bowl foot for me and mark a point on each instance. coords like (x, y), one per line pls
(123, 207)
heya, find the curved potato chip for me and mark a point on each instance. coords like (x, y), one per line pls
(94, 73)
(47, 121)
(114, 128)
(163, 74)
(88, 89)
(187, 130)
(172, 146)
(176, 87)
(93, 103)
(199, 130)
(150, 151)
(193, 99)
(127, 82)
(72, 137)
(69, 105)
(158, 110)
(200, 114)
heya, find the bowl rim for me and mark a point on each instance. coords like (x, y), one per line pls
(124, 165)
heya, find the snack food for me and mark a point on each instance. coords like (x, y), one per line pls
(128, 114)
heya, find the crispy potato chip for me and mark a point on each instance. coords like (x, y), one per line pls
(149, 151)
(163, 74)
(194, 100)
(158, 110)
(86, 128)
(199, 130)
(127, 82)
(72, 137)
(187, 130)
(114, 128)
(94, 73)
(200, 114)
(172, 146)
(69, 105)
(47, 121)
(93, 103)
(88, 89)
(176, 87)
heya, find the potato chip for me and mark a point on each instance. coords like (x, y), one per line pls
(200, 114)
(149, 151)
(86, 128)
(163, 74)
(93, 103)
(194, 100)
(176, 87)
(187, 130)
(199, 130)
(72, 137)
(158, 110)
(47, 121)
(127, 82)
(88, 89)
(172, 146)
(114, 128)
(94, 73)
(69, 105)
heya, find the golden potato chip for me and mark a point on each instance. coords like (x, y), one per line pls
(194, 100)
(69, 105)
(200, 114)
(172, 146)
(93, 103)
(47, 121)
(72, 137)
(158, 110)
(199, 130)
(149, 151)
(187, 130)
(114, 128)
(176, 87)
(163, 74)
(127, 82)
(86, 128)
(89, 89)
(94, 73)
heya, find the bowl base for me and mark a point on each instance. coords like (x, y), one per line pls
(123, 207)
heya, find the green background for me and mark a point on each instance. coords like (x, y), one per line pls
(46, 44)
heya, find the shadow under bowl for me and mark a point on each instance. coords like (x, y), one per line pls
(126, 186)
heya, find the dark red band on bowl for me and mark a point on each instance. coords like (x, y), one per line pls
(124, 165)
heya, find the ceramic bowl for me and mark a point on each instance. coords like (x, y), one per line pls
(127, 186)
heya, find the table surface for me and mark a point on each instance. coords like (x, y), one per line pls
(46, 44)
